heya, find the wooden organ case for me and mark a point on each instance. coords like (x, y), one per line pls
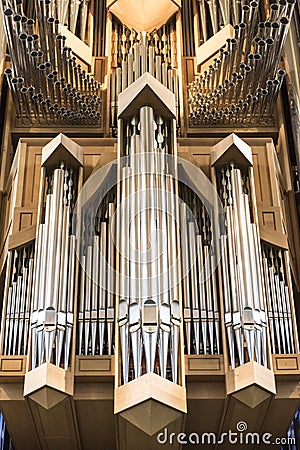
(144, 122)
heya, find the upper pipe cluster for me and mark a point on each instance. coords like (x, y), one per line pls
(47, 83)
(242, 84)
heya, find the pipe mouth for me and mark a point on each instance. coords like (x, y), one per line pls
(282, 2)
(17, 18)
(34, 54)
(23, 36)
(281, 72)
(24, 19)
(270, 41)
(30, 22)
(242, 25)
(24, 90)
(8, 12)
(274, 7)
(246, 8)
(262, 43)
(284, 20)
(275, 25)
(8, 71)
(20, 80)
(42, 67)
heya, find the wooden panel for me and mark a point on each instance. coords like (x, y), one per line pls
(22, 238)
(199, 364)
(56, 427)
(150, 386)
(212, 46)
(130, 437)
(18, 417)
(24, 218)
(32, 176)
(12, 365)
(94, 366)
(268, 194)
(51, 376)
(286, 365)
(200, 156)
(100, 68)
(190, 69)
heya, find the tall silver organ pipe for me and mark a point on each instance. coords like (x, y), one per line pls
(96, 301)
(169, 246)
(134, 53)
(200, 290)
(279, 299)
(242, 270)
(17, 301)
(48, 84)
(215, 14)
(54, 275)
(149, 311)
(241, 86)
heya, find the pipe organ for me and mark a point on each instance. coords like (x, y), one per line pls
(149, 266)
